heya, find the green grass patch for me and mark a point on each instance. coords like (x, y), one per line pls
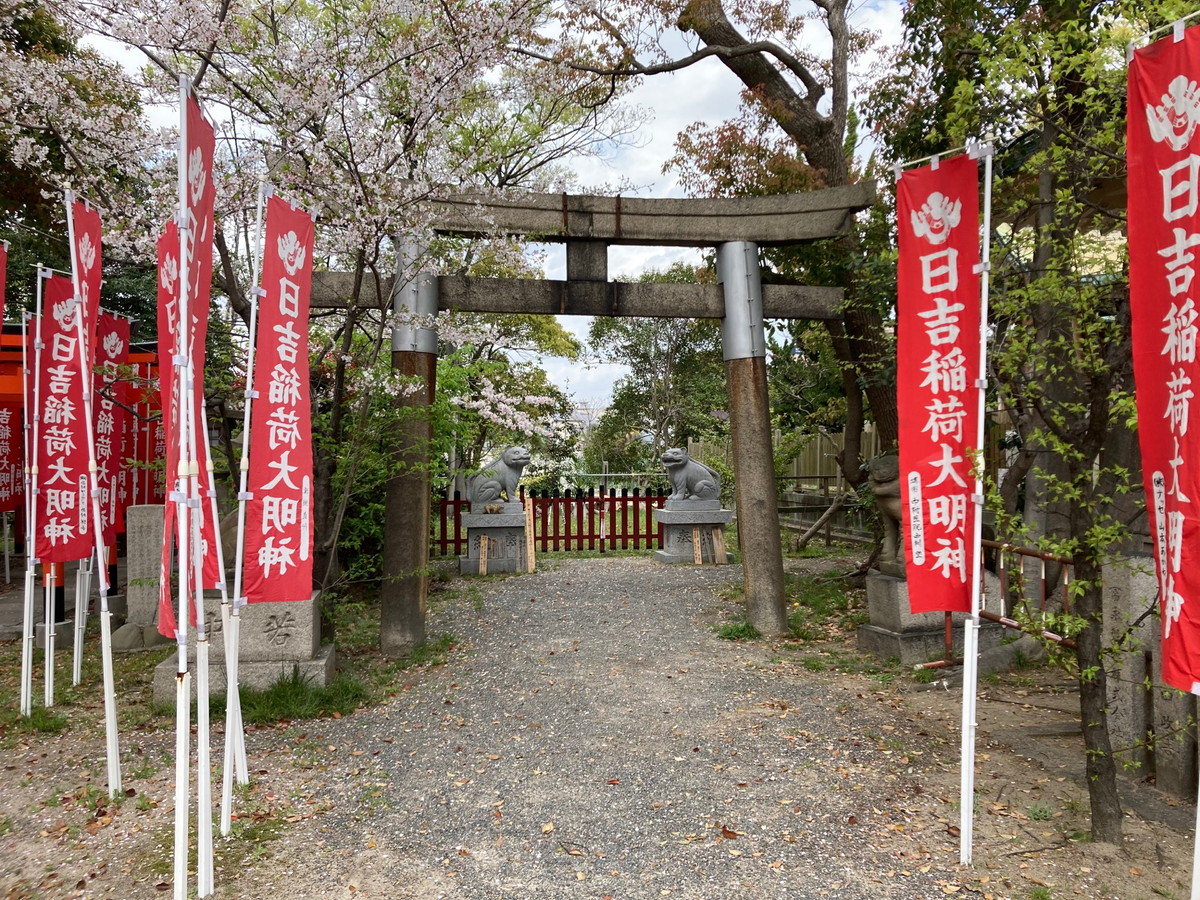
(738, 631)
(295, 697)
(355, 620)
(822, 609)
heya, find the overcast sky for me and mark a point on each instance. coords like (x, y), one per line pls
(705, 93)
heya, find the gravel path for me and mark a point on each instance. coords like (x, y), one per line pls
(593, 737)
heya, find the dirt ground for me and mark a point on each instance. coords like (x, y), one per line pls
(61, 838)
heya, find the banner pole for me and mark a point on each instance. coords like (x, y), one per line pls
(235, 746)
(971, 629)
(80, 620)
(183, 519)
(48, 586)
(1196, 854)
(30, 436)
(112, 743)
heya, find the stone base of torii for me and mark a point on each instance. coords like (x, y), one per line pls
(589, 225)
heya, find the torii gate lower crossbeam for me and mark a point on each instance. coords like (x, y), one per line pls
(588, 226)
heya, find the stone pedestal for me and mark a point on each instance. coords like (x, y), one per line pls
(894, 632)
(504, 526)
(683, 522)
(275, 638)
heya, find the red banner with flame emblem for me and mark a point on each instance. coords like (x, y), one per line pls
(62, 509)
(937, 324)
(279, 532)
(1164, 230)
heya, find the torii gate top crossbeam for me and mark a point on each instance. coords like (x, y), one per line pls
(771, 220)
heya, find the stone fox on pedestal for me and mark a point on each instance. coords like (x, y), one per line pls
(499, 477)
(690, 479)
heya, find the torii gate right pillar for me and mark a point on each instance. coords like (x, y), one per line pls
(743, 341)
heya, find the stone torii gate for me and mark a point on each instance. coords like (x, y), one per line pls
(589, 225)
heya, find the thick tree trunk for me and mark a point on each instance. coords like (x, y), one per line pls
(1101, 766)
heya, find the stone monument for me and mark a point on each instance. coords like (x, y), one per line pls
(692, 518)
(143, 542)
(275, 639)
(497, 517)
(893, 631)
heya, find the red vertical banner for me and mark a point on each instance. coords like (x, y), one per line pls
(194, 256)
(1164, 230)
(86, 271)
(168, 345)
(12, 457)
(279, 534)
(197, 243)
(3, 274)
(938, 346)
(112, 418)
(63, 501)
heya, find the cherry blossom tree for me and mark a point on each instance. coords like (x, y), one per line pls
(358, 112)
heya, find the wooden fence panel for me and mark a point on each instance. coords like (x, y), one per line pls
(579, 520)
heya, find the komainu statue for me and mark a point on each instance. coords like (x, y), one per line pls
(690, 479)
(883, 473)
(499, 478)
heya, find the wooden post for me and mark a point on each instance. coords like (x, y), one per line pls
(743, 343)
(483, 554)
(697, 549)
(405, 586)
(530, 546)
(718, 538)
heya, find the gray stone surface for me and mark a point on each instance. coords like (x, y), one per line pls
(692, 516)
(508, 517)
(690, 479)
(1153, 724)
(258, 674)
(118, 605)
(128, 638)
(144, 536)
(506, 544)
(152, 637)
(285, 631)
(63, 635)
(679, 526)
(1128, 590)
(888, 607)
(894, 632)
(498, 479)
(884, 478)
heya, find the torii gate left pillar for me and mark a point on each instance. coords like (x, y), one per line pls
(407, 504)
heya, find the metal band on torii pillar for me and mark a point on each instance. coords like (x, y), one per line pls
(743, 341)
(407, 506)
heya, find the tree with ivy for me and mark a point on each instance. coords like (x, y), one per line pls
(1046, 83)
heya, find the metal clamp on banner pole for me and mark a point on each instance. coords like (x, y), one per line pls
(414, 302)
(743, 335)
(977, 149)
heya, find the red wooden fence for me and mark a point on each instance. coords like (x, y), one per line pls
(579, 520)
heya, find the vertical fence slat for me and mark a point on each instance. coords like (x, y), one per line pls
(573, 520)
